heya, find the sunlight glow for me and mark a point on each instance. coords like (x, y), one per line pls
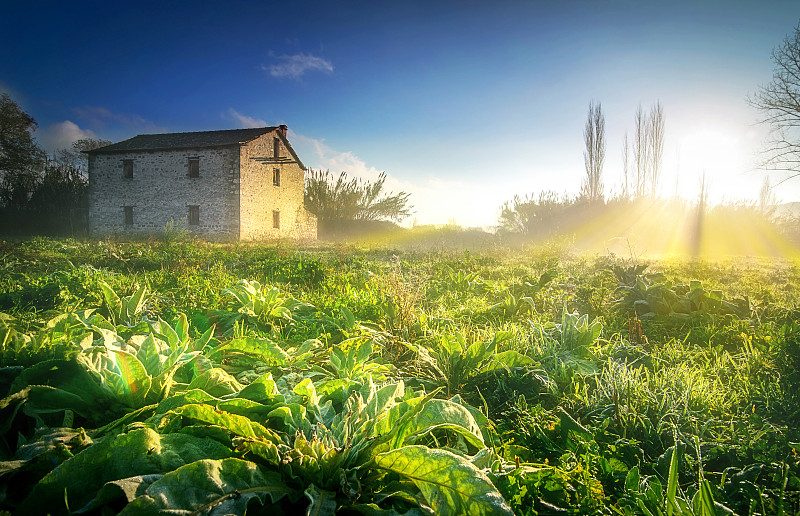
(712, 151)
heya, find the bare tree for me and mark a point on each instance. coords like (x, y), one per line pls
(594, 136)
(648, 150)
(655, 142)
(626, 153)
(702, 195)
(640, 150)
(76, 156)
(767, 200)
(779, 103)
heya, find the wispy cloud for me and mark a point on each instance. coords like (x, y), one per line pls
(244, 120)
(296, 65)
(61, 135)
(101, 117)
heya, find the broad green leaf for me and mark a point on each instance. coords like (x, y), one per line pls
(281, 312)
(239, 425)
(58, 385)
(364, 351)
(446, 415)
(449, 483)
(110, 338)
(323, 503)
(209, 431)
(322, 413)
(258, 449)
(203, 340)
(265, 349)
(133, 304)
(507, 359)
(451, 344)
(394, 427)
(140, 452)
(568, 424)
(127, 488)
(243, 407)
(632, 480)
(216, 382)
(112, 300)
(148, 354)
(185, 398)
(378, 401)
(210, 487)
(337, 359)
(293, 416)
(487, 429)
(475, 354)
(168, 332)
(306, 389)
(135, 380)
(261, 390)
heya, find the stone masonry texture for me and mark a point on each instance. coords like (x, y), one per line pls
(234, 193)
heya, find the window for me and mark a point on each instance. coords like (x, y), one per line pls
(276, 177)
(128, 215)
(127, 168)
(276, 219)
(276, 148)
(194, 215)
(194, 167)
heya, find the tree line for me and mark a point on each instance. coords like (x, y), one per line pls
(40, 194)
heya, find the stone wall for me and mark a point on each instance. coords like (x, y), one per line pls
(161, 190)
(260, 197)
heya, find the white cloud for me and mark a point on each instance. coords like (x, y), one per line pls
(61, 135)
(294, 66)
(435, 200)
(244, 120)
(326, 158)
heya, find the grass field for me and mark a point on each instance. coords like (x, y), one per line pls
(213, 379)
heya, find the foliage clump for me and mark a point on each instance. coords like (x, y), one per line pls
(245, 379)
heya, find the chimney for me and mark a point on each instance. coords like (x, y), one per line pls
(283, 130)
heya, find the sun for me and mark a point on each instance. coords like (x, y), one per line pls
(710, 154)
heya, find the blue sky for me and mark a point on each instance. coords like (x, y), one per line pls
(463, 104)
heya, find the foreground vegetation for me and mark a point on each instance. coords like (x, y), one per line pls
(214, 379)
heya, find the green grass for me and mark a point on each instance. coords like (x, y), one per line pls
(623, 411)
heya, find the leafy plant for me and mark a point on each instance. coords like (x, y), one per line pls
(510, 305)
(126, 310)
(140, 372)
(452, 362)
(261, 303)
(372, 455)
(350, 361)
(649, 300)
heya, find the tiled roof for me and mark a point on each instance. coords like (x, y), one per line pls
(145, 142)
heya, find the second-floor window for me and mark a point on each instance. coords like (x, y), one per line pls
(194, 215)
(127, 168)
(194, 167)
(276, 148)
(276, 177)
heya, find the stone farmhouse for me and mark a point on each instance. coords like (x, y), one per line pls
(240, 184)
